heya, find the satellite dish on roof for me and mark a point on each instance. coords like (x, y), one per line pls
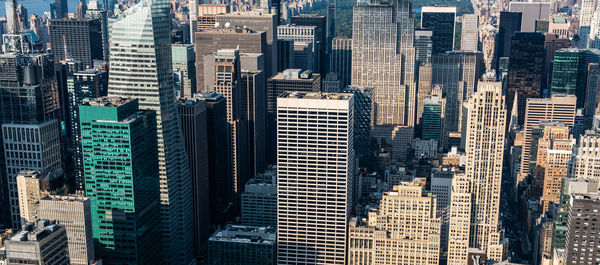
(216, 24)
(227, 24)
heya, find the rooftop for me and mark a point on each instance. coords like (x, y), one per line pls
(245, 235)
(317, 95)
(36, 233)
(108, 101)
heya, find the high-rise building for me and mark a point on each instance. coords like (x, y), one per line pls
(208, 42)
(383, 57)
(582, 230)
(469, 36)
(244, 245)
(254, 97)
(30, 193)
(551, 45)
(99, 11)
(285, 54)
(340, 60)
(363, 103)
(423, 89)
(79, 39)
(531, 13)
(441, 187)
(125, 210)
(459, 220)
(569, 72)
(184, 69)
(590, 104)
(484, 149)
(227, 83)
(510, 22)
(555, 109)
(290, 80)
(322, 25)
(82, 86)
(457, 73)
(74, 213)
(42, 243)
(259, 200)
(442, 22)
(219, 176)
(586, 157)
(59, 9)
(586, 14)
(153, 86)
(194, 128)
(524, 70)
(303, 218)
(404, 230)
(423, 46)
(433, 115)
(306, 47)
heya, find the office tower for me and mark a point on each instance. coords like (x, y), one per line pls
(193, 19)
(441, 187)
(524, 70)
(42, 243)
(586, 157)
(79, 39)
(80, 9)
(592, 86)
(423, 46)
(569, 72)
(586, 14)
(125, 211)
(194, 128)
(553, 157)
(322, 37)
(469, 36)
(244, 245)
(340, 60)
(331, 83)
(551, 45)
(510, 22)
(153, 86)
(459, 220)
(484, 148)
(404, 230)
(257, 21)
(74, 213)
(363, 103)
(184, 68)
(207, 16)
(59, 9)
(82, 86)
(457, 73)
(30, 193)
(531, 12)
(306, 47)
(303, 217)
(208, 42)
(219, 177)
(259, 200)
(559, 26)
(558, 108)
(254, 96)
(96, 11)
(582, 230)
(442, 22)
(433, 115)
(383, 57)
(285, 54)
(227, 83)
(289, 80)
(423, 89)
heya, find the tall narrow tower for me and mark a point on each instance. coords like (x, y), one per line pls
(140, 67)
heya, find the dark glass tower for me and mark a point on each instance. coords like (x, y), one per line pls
(441, 21)
(510, 22)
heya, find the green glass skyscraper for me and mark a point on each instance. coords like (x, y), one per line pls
(120, 160)
(569, 72)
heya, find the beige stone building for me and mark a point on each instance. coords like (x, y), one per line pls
(30, 193)
(405, 230)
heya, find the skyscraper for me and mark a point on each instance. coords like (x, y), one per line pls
(510, 22)
(569, 72)
(124, 199)
(404, 230)
(79, 39)
(363, 104)
(484, 149)
(581, 231)
(340, 60)
(97, 11)
(312, 225)
(259, 200)
(322, 25)
(423, 46)
(551, 45)
(459, 220)
(586, 160)
(531, 12)
(555, 109)
(254, 91)
(153, 86)
(184, 68)
(306, 46)
(30, 193)
(383, 57)
(74, 213)
(525, 70)
(442, 22)
(431, 121)
(42, 243)
(194, 129)
(469, 36)
(586, 13)
(59, 9)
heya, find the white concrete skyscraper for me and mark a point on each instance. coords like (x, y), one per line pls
(383, 57)
(315, 176)
(140, 67)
